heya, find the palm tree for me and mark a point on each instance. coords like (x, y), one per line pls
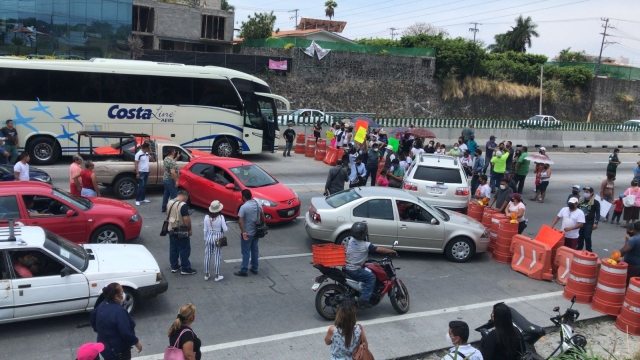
(329, 11)
(501, 43)
(224, 5)
(521, 34)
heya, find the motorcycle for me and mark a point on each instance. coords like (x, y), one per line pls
(330, 296)
(570, 343)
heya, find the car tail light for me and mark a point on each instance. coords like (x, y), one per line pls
(462, 191)
(315, 217)
(410, 186)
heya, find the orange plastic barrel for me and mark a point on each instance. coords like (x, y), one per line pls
(486, 216)
(582, 277)
(321, 144)
(320, 154)
(311, 147)
(475, 210)
(629, 319)
(610, 288)
(499, 253)
(299, 149)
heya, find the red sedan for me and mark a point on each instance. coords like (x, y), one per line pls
(223, 179)
(78, 219)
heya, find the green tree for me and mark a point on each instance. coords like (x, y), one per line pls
(329, 9)
(224, 5)
(379, 42)
(501, 43)
(566, 55)
(520, 35)
(260, 26)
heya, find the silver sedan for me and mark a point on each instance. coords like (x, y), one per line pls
(393, 214)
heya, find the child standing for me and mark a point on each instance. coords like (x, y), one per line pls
(618, 210)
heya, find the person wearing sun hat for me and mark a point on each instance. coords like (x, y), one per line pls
(214, 228)
(90, 351)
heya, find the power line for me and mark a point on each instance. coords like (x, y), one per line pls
(294, 16)
(604, 37)
(393, 33)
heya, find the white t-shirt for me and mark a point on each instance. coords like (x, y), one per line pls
(484, 191)
(416, 151)
(515, 209)
(570, 219)
(23, 169)
(143, 161)
(340, 133)
(463, 147)
(464, 352)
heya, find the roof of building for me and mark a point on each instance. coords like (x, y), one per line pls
(330, 25)
(304, 34)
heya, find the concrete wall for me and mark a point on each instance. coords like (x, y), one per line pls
(404, 86)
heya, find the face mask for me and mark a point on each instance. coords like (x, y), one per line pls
(571, 206)
(575, 192)
(455, 147)
(586, 195)
(448, 339)
(503, 187)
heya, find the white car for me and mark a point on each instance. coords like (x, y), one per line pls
(629, 125)
(44, 275)
(540, 121)
(314, 115)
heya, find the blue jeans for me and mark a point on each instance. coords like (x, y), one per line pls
(170, 192)
(287, 148)
(142, 183)
(495, 179)
(179, 248)
(249, 249)
(585, 237)
(368, 280)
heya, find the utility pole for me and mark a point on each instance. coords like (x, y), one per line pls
(541, 75)
(294, 16)
(604, 36)
(474, 29)
(393, 33)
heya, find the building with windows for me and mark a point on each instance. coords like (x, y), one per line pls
(78, 29)
(183, 25)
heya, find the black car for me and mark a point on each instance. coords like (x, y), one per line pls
(35, 174)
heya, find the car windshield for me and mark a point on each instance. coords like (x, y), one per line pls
(297, 112)
(253, 176)
(72, 253)
(343, 197)
(537, 117)
(81, 202)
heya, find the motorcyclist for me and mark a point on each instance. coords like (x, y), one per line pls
(358, 249)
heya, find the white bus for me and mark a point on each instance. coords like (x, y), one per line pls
(208, 108)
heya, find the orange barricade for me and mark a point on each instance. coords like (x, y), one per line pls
(332, 156)
(299, 149)
(531, 258)
(502, 246)
(321, 144)
(629, 319)
(582, 277)
(562, 264)
(320, 154)
(612, 284)
(486, 216)
(311, 147)
(553, 238)
(475, 211)
(493, 229)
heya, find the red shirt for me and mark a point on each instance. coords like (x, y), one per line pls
(85, 178)
(618, 204)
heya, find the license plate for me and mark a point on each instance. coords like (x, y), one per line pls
(435, 191)
(315, 286)
(291, 212)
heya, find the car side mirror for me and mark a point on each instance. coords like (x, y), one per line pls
(66, 271)
(71, 213)
(434, 221)
(230, 186)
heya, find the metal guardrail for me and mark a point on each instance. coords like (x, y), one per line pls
(461, 123)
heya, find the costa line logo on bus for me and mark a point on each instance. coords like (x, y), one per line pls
(140, 113)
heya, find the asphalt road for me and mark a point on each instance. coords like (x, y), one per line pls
(272, 316)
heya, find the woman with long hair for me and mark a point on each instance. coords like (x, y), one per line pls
(382, 179)
(182, 336)
(543, 175)
(344, 336)
(631, 213)
(114, 325)
(503, 342)
(214, 228)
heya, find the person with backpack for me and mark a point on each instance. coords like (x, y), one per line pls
(181, 337)
(458, 335)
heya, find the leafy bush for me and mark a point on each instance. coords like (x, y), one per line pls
(289, 46)
(570, 76)
(379, 42)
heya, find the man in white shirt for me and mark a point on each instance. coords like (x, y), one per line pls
(572, 220)
(21, 168)
(484, 190)
(142, 172)
(458, 335)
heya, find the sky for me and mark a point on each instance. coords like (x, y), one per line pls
(561, 23)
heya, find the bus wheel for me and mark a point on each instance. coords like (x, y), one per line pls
(43, 150)
(224, 147)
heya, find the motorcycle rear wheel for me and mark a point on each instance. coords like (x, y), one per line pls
(326, 302)
(400, 304)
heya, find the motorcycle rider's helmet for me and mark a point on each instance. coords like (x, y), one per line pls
(359, 231)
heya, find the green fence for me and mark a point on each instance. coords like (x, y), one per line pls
(461, 123)
(612, 71)
(357, 48)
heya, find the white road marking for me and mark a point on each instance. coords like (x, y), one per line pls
(384, 320)
(606, 162)
(271, 257)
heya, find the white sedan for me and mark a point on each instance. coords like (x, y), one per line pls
(44, 275)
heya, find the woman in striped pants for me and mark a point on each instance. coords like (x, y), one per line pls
(214, 228)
